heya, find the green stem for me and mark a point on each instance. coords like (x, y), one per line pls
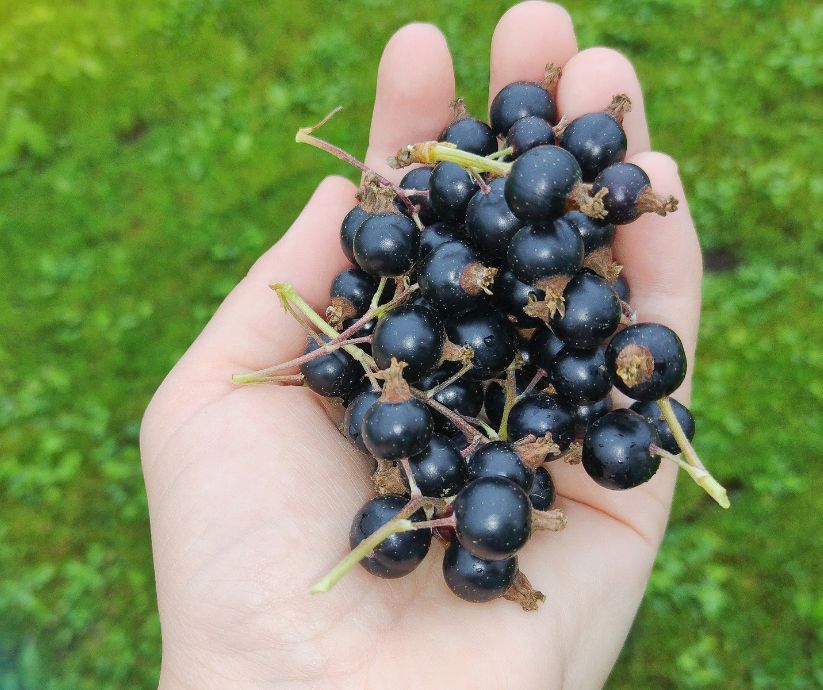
(510, 388)
(502, 153)
(375, 300)
(701, 475)
(433, 152)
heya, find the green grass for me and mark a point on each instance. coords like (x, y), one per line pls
(147, 157)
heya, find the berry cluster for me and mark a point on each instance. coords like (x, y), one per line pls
(479, 333)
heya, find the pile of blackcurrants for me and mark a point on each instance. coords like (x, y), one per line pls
(478, 334)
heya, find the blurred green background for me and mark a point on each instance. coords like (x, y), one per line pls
(147, 157)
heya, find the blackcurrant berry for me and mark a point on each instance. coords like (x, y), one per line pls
(418, 179)
(586, 414)
(595, 234)
(647, 360)
(540, 414)
(528, 133)
(539, 183)
(544, 251)
(351, 293)
(452, 278)
(651, 411)
(500, 459)
(475, 579)
(432, 236)
(439, 470)
(491, 337)
(387, 244)
(510, 295)
(397, 425)
(398, 554)
(581, 376)
(542, 492)
(351, 223)
(450, 190)
(630, 194)
(621, 287)
(591, 311)
(544, 348)
(517, 100)
(333, 375)
(616, 450)
(472, 135)
(493, 518)
(463, 396)
(490, 224)
(353, 419)
(411, 334)
(596, 140)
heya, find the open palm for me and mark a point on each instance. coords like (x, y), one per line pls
(252, 489)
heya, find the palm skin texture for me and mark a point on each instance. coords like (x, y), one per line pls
(252, 489)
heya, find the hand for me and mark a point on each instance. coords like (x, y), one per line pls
(252, 490)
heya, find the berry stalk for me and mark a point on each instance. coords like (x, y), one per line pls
(698, 470)
(510, 388)
(430, 152)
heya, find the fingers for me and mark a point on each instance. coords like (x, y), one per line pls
(528, 37)
(589, 81)
(415, 84)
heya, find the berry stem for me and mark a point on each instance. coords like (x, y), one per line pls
(413, 488)
(523, 593)
(502, 153)
(510, 389)
(698, 472)
(399, 523)
(431, 152)
(256, 377)
(375, 300)
(541, 373)
(449, 521)
(449, 381)
(304, 136)
(468, 430)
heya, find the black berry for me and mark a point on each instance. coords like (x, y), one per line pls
(432, 236)
(452, 278)
(581, 376)
(539, 183)
(586, 414)
(439, 470)
(490, 224)
(596, 140)
(544, 251)
(630, 194)
(387, 244)
(542, 493)
(472, 135)
(351, 223)
(418, 179)
(591, 311)
(500, 459)
(491, 337)
(464, 395)
(450, 190)
(517, 100)
(595, 234)
(475, 579)
(544, 348)
(540, 414)
(528, 133)
(351, 293)
(411, 334)
(353, 419)
(651, 411)
(511, 295)
(333, 375)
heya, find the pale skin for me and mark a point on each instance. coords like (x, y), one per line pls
(252, 489)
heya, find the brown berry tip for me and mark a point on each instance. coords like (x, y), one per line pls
(522, 592)
(552, 303)
(457, 353)
(395, 388)
(339, 310)
(376, 197)
(551, 75)
(458, 108)
(388, 479)
(620, 105)
(649, 201)
(477, 278)
(533, 450)
(602, 262)
(551, 520)
(581, 199)
(635, 365)
(573, 455)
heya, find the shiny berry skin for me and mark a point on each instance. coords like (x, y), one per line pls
(542, 493)
(333, 375)
(543, 251)
(668, 357)
(528, 133)
(651, 411)
(625, 182)
(621, 287)
(450, 190)
(594, 233)
(445, 278)
(399, 553)
(490, 335)
(596, 140)
(493, 518)
(490, 224)
(495, 397)
(539, 414)
(581, 377)
(539, 182)
(463, 395)
(500, 459)
(439, 470)
(386, 244)
(394, 430)
(476, 579)
(351, 223)
(355, 286)
(517, 100)
(544, 346)
(510, 295)
(586, 414)
(432, 236)
(418, 179)
(353, 419)
(592, 311)
(472, 135)
(616, 450)
(411, 334)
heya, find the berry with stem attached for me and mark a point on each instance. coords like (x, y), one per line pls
(539, 414)
(398, 554)
(432, 236)
(351, 293)
(351, 223)
(418, 179)
(461, 395)
(542, 492)
(521, 99)
(618, 450)
(453, 279)
(332, 375)
(353, 419)
(451, 188)
(595, 234)
(439, 470)
(581, 376)
(597, 140)
(545, 346)
(476, 579)
(630, 194)
(528, 133)
(490, 223)
(490, 336)
(650, 409)
(469, 133)
(511, 296)
(648, 361)
(411, 334)
(545, 251)
(591, 311)
(387, 244)
(500, 459)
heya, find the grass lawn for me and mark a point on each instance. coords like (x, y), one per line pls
(147, 157)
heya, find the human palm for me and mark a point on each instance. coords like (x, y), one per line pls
(252, 489)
